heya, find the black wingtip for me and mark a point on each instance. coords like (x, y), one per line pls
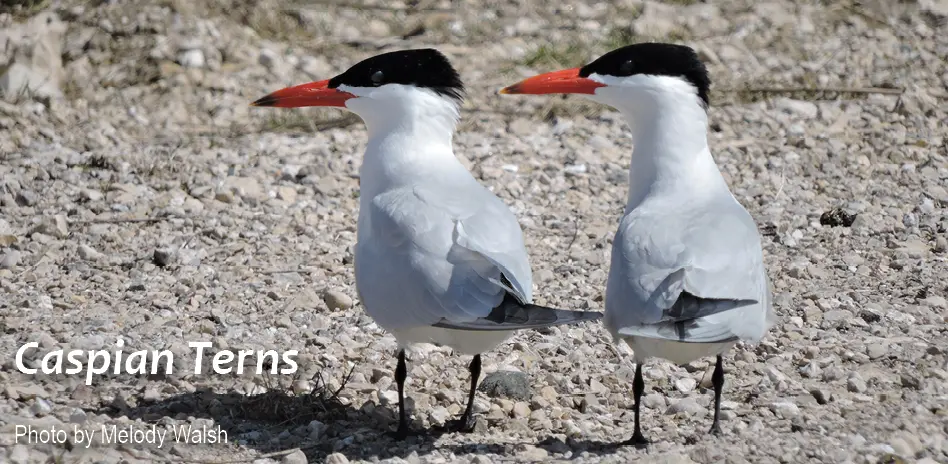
(268, 100)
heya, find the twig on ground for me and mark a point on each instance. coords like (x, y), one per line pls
(852, 90)
(119, 221)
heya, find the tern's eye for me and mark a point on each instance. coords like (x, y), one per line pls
(627, 67)
(377, 77)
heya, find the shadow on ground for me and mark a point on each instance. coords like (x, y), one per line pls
(277, 420)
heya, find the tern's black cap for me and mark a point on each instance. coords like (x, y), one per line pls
(659, 59)
(425, 68)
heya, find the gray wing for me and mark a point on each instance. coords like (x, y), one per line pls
(512, 314)
(692, 277)
(429, 255)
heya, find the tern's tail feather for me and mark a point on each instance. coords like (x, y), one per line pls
(512, 315)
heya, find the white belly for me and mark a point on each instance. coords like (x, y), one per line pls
(462, 341)
(674, 351)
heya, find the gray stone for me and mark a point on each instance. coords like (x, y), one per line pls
(296, 457)
(506, 384)
(337, 300)
(10, 259)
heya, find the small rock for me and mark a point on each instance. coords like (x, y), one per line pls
(55, 226)
(911, 380)
(439, 415)
(837, 217)
(19, 454)
(296, 457)
(906, 444)
(90, 195)
(654, 401)
(337, 300)
(287, 194)
(687, 406)
(247, 188)
(41, 407)
(575, 169)
(506, 384)
(532, 453)
(835, 318)
(26, 198)
(162, 257)
(876, 350)
(87, 253)
(821, 396)
(10, 259)
(388, 397)
(224, 196)
(521, 409)
(193, 58)
(337, 458)
(151, 395)
(686, 384)
(268, 58)
(856, 384)
(317, 429)
(803, 109)
(785, 409)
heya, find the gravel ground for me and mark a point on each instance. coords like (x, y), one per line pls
(143, 200)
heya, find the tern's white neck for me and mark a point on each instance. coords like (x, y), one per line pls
(410, 133)
(669, 131)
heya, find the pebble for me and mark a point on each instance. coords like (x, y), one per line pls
(87, 253)
(317, 429)
(654, 401)
(521, 409)
(10, 259)
(856, 384)
(533, 453)
(785, 409)
(26, 198)
(41, 407)
(193, 58)
(336, 300)
(268, 58)
(296, 457)
(337, 458)
(55, 226)
(685, 384)
(162, 257)
(90, 195)
(687, 406)
(802, 109)
(287, 194)
(876, 350)
(19, 454)
(506, 384)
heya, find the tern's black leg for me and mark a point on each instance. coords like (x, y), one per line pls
(717, 380)
(401, 373)
(466, 423)
(638, 387)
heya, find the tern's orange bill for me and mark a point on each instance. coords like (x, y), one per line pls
(311, 94)
(565, 81)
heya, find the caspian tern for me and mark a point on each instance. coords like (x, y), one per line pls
(687, 277)
(439, 258)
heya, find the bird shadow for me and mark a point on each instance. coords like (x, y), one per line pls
(581, 447)
(279, 420)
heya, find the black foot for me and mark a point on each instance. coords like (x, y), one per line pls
(637, 441)
(461, 425)
(715, 429)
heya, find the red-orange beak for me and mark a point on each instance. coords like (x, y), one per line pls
(312, 94)
(565, 81)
